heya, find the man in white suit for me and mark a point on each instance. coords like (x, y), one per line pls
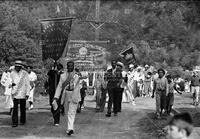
(69, 88)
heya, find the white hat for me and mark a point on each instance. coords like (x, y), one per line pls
(120, 64)
(131, 66)
(19, 63)
(146, 66)
(139, 67)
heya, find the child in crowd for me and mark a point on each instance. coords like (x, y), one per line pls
(83, 91)
(170, 96)
(180, 127)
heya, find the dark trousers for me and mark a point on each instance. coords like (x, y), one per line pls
(103, 99)
(121, 90)
(80, 103)
(22, 103)
(56, 113)
(114, 98)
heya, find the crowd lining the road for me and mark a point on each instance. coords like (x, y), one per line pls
(68, 88)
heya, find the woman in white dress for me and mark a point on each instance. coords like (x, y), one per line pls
(6, 81)
(127, 94)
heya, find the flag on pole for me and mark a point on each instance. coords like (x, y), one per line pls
(128, 55)
(54, 37)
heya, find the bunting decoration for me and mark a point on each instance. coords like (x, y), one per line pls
(55, 33)
(128, 55)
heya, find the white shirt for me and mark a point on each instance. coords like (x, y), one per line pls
(6, 81)
(32, 76)
(138, 76)
(22, 87)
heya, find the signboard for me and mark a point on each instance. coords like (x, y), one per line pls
(54, 37)
(86, 56)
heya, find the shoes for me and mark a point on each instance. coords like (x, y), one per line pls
(78, 111)
(133, 103)
(22, 123)
(14, 125)
(69, 132)
(108, 115)
(56, 125)
(115, 114)
(31, 107)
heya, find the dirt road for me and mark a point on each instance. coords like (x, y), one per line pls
(134, 122)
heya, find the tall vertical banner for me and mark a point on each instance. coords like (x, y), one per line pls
(55, 33)
(128, 55)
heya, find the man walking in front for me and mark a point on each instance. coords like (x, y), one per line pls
(69, 87)
(20, 91)
(161, 90)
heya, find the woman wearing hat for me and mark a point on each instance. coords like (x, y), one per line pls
(32, 78)
(20, 91)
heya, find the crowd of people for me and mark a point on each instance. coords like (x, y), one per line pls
(67, 89)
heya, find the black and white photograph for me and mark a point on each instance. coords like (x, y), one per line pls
(99, 69)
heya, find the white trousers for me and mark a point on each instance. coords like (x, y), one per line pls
(70, 111)
(31, 95)
(71, 115)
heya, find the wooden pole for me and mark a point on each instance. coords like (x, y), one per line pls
(97, 19)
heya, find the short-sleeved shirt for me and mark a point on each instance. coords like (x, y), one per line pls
(195, 81)
(161, 84)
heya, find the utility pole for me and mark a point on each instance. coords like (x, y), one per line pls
(97, 19)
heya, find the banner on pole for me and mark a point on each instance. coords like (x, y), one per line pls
(55, 33)
(128, 55)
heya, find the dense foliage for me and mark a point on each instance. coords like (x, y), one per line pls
(166, 33)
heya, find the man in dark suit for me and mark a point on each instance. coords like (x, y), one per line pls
(114, 77)
(53, 79)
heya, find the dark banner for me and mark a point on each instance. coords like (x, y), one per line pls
(128, 55)
(54, 37)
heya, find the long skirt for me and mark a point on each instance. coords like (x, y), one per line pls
(127, 95)
(134, 88)
(9, 102)
(31, 95)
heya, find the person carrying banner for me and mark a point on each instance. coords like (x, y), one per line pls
(123, 83)
(69, 87)
(53, 79)
(32, 78)
(20, 92)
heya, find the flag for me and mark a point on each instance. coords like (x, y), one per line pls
(54, 37)
(128, 55)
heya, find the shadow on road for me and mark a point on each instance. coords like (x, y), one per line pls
(195, 113)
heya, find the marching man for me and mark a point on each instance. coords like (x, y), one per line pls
(69, 88)
(20, 92)
(32, 78)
